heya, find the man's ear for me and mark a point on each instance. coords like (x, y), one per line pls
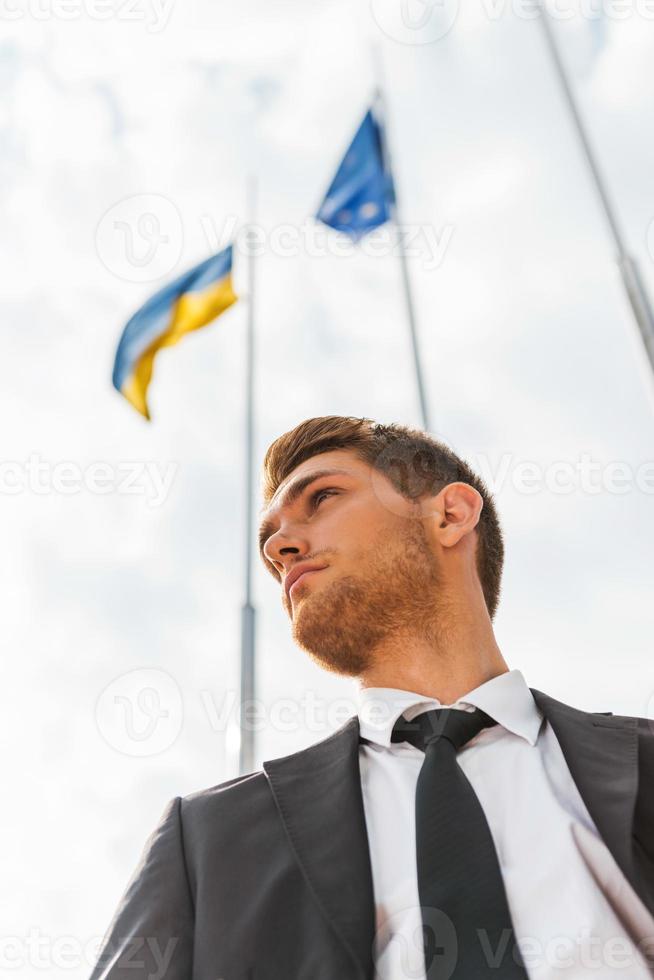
(452, 514)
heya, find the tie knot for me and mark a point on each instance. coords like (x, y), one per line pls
(457, 726)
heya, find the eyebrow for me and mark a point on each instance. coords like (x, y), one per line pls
(290, 495)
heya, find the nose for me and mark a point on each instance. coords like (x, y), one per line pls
(281, 544)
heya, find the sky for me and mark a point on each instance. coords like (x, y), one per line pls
(127, 136)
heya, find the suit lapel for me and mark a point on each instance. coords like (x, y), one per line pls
(319, 798)
(601, 752)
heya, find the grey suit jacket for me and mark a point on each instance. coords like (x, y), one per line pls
(268, 877)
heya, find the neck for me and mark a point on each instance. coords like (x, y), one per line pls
(444, 663)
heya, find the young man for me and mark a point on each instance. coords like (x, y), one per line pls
(461, 824)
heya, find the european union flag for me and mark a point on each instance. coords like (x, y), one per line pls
(186, 304)
(361, 194)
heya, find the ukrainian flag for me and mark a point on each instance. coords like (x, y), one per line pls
(186, 304)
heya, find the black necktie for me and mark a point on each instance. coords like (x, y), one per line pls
(467, 928)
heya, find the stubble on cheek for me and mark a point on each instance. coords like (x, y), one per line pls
(341, 625)
(333, 626)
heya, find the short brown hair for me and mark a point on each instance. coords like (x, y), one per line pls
(414, 462)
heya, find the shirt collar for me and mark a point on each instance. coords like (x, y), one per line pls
(506, 698)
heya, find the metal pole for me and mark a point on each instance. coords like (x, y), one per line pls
(379, 110)
(247, 746)
(640, 304)
(631, 278)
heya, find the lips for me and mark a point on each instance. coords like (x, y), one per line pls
(301, 577)
(297, 573)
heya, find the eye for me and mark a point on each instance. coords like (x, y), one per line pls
(315, 497)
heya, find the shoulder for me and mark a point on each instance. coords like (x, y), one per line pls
(240, 791)
(560, 715)
(550, 705)
(218, 815)
(251, 793)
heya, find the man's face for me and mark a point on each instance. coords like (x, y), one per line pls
(378, 572)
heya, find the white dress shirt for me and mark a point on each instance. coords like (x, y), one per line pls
(564, 925)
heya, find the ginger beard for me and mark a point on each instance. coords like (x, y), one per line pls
(395, 588)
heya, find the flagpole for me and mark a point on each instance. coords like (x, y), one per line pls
(247, 744)
(631, 277)
(379, 110)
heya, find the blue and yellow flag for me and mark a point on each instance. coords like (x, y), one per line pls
(361, 194)
(186, 304)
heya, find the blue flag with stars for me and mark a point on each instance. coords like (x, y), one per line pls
(360, 195)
